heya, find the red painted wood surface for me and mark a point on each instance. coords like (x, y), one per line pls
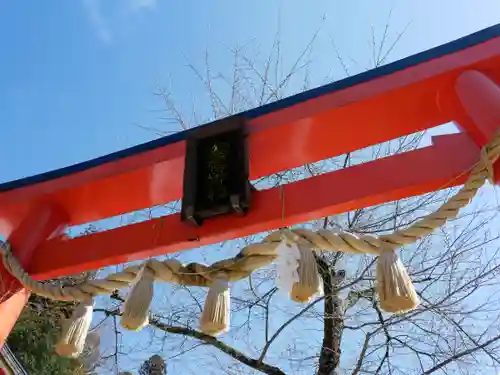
(44, 220)
(480, 98)
(388, 179)
(384, 108)
(459, 86)
(372, 112)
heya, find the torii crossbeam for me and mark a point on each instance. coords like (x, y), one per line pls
(453, 82)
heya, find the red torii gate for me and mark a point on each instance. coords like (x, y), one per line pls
(454, 82)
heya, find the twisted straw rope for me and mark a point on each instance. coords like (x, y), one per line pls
(255, 256)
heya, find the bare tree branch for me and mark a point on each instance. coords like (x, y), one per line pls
(461, 354)
(207, 339)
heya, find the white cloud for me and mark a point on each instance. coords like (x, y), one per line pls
(101, 16)
(142, 4)
(97, 19)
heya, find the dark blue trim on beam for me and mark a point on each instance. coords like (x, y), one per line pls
(445, 49)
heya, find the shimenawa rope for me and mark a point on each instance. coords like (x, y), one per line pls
(394, 286)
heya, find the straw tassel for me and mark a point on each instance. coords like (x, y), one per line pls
(309, 284)
(394, 287)
(136, 309)
(216, 312)
(74, 332)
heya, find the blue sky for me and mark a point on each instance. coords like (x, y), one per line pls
(78, 76)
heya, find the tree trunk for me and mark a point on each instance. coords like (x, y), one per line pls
(329, 360)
